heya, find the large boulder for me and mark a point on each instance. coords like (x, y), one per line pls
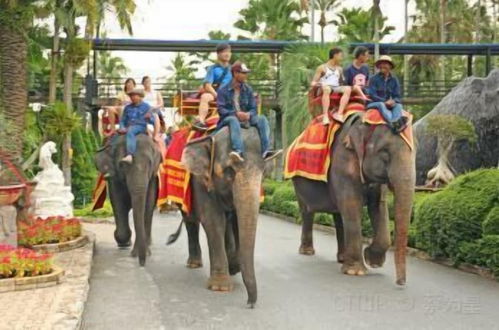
(476, 99)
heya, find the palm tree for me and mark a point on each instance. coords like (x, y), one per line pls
(111, 69)
(376, 15)
(16, 16)
(181, 70)
(272, 20)
(356, 25)
(325, 6)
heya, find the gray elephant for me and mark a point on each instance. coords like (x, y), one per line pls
(132, 187)
(226, 201)
(366, 160)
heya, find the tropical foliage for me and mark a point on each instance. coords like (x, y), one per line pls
(356, 25)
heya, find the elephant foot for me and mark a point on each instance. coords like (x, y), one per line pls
(142, 262)
(124, 245)
(340, 257)
(135, 253)
(194, 263)
(234, 268)
(221, 283)
(375, 258)
(354, 269)
(307, 250)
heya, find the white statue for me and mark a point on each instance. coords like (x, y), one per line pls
(50, 196)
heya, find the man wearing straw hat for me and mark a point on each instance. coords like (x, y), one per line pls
(384, 90)
(134, 121)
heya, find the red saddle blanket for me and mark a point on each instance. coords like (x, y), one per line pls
(309, 155)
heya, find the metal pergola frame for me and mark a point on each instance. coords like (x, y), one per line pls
(469, 50)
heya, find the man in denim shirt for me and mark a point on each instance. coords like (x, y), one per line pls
(134, 121)
(384, 90)
(237, 108)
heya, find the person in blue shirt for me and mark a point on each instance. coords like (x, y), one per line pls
(357, 73)
(384, 90)
(134, 121)
(218, 75)
(237, 108)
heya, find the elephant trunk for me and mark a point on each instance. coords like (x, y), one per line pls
(138, 206)
(403, 193)
(246, 192)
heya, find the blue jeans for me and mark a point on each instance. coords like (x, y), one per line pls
(390, 115)
(131, 137)
(261, 124)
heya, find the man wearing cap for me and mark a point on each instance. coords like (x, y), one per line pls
(384, 90)
(217, 76)
(237, 108)
(134, 121)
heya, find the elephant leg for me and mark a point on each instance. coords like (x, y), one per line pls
(232, 243)
(350, 205)
(215, 233)
(340, 237)
(138, 206)
(307, 238)
(246, 193)
(195, 260)
(378, 213)
(121, 203)
(152, 196)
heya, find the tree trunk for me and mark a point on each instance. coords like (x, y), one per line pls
(54, 62)
(443, 6)
(14, 86)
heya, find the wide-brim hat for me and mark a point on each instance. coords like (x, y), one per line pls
(384, 58)
(136, 91)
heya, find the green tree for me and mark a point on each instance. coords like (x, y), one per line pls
(325, 6)
(356, 25)
(111, 69)
(16, 16)
(181, 69)
(272, 19)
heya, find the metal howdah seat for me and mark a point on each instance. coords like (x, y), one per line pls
(187, 102)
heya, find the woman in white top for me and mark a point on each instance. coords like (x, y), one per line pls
(329, 77)
(155, 100)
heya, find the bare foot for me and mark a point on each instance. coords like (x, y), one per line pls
(325, 119)
(338, 117)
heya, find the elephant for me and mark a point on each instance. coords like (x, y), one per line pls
(226, 201)
(132, 186)
(366, 160)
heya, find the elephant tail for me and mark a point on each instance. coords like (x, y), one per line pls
(173, 237)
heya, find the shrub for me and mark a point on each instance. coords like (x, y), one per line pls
(483, 252)
(449, 218)
(491, 224)
(105, 212)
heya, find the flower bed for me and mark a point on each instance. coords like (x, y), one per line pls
(48, 231)
(22, 262)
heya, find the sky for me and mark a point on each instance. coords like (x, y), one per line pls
(193, 19)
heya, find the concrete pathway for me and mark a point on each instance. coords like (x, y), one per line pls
(295, 291)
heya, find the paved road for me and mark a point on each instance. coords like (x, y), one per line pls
(295, 291)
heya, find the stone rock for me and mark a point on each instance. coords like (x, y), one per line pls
(50, 196)
(8, 225)
(477, 100)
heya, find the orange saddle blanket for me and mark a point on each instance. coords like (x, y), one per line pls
(309, 155)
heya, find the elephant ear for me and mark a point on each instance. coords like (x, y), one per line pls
(196, 156)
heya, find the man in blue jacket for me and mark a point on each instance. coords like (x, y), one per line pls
(384, 90)
(134, 121)
(237, 108)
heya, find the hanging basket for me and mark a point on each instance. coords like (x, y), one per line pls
(10, 194)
